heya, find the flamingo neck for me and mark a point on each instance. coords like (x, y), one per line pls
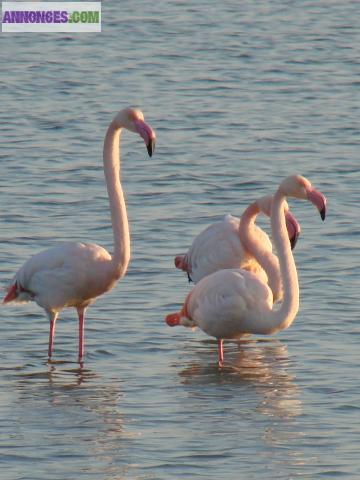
(271, 321)
(250, 240)
(119, 220)
(284, 316)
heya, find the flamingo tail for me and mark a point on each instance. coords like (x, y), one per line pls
(12, 293)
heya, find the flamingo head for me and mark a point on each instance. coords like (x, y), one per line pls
(300, 187)
(133, 119)
(292, 225)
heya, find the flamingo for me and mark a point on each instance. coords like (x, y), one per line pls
(219, 246)
(230, 303)
(74, 274)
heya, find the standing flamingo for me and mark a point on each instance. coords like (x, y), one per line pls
(219, 246)
(73, 274)
(230, 303)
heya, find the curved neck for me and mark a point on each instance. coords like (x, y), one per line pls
(251, 242)
(272, 320)
(284, 316)
(111, 156)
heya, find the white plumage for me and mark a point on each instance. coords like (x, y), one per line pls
(63, 276)
(218, 247)
(216, 301)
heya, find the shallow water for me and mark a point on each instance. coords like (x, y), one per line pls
(240, 96)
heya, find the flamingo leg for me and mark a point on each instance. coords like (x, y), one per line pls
(52, 316)
(220, 352)
(81, 314)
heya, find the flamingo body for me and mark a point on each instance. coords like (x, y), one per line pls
(219, 247)
(227, 303)
(68, 275)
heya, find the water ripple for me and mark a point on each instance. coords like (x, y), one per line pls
(240, 97)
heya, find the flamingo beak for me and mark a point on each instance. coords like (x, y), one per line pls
(151, 146)
(319, 200)
(148, 134)
(293, 228)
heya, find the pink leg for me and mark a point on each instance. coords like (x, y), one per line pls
(220, 352)
(53, 316)
(81, 314)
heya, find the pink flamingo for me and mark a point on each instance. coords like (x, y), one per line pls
(219, 245)
(230, 303)
(73, 274)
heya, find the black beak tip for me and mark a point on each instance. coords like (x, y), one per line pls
(323, 214)
(151, 147)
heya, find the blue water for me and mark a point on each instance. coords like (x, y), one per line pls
(241, 94)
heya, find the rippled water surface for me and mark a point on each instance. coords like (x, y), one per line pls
(241, 94)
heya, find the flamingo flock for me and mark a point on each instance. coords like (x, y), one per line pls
(241, 285)
(230, 303)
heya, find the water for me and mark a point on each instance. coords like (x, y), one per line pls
(241, 95)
